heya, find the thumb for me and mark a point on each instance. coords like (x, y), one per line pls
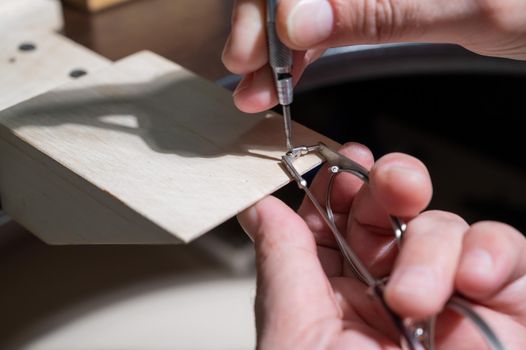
(305, 24)
(292, 289)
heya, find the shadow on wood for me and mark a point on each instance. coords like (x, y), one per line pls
(143, 142)
(167, 113)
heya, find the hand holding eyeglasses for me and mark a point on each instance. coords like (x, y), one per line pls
(307, 298)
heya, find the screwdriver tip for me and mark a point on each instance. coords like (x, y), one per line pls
(288, 126)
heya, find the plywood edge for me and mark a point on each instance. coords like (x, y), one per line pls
(60, 209)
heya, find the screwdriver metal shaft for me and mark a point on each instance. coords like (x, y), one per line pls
(288, 127)
(280, 60)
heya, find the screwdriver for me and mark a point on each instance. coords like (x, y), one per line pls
(280, 60)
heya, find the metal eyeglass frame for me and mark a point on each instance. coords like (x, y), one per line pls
(414, 335)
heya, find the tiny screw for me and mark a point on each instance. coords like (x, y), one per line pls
(334, 169)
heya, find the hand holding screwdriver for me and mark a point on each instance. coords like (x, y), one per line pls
(487, 27)
(280, 60)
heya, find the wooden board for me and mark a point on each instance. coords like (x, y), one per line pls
(143, 152)
(25, 74)
(29, 15)
(184, 31)
(94, 5)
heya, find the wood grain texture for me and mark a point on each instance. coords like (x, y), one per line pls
(24, 74)
(143, 152)
(29, 15)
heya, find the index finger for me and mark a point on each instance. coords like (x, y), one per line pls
(399, 184)
(346, 186)
(246, 49)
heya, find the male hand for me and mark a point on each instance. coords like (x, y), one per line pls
(307, 298)
(488, 27)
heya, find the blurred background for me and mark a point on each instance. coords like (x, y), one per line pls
(456, 111)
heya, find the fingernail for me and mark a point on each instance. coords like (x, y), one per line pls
(477, 261)
(310, 22)
(359, 152)
(249, 221)
(414, 282)
(244, 84)
(312, 55)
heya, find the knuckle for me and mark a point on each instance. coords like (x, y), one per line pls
(433, 221)
(383, 19)
(375, 20)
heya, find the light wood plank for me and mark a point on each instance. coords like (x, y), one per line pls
(24, 74)
(29, 15)
(144, 152)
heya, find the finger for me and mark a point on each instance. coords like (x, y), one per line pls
(344, 190)
(306, 24)
(455, 331)
(492, 267)
(400, 181)
(246, 49)
(331, 261)
(424, 273)
(399, 185)
(246, 53)
(360, 336)
(356, 302)
(290, 277)
(257, 91)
